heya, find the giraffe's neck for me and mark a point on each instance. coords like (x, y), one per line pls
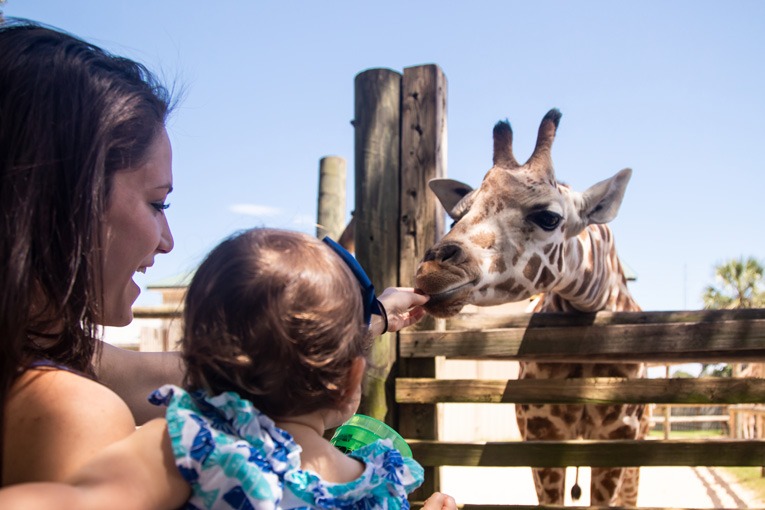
(595, 280)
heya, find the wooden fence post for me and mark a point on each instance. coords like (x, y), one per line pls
(377, 125)
(331, 214)
(423, 157)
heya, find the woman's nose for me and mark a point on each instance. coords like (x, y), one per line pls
(166, 241)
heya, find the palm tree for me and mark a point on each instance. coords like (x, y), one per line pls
(741, 285)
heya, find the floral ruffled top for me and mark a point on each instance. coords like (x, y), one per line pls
(233, 456)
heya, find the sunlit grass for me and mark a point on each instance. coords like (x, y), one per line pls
(687, 434)
(749, 477)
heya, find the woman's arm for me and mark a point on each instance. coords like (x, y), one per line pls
(134, 375)
(137, 473)
(57, 420)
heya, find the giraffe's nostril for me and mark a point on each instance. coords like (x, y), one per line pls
(451, 253)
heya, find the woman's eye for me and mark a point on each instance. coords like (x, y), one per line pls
(546, 220)
(160, 206)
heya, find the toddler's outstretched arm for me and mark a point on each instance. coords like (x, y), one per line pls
(403, 307)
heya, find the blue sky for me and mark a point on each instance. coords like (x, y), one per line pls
(674, 90)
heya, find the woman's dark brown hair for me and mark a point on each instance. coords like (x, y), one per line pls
(275, 316)
(71, 115)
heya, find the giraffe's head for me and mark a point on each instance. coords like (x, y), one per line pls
(509, 237)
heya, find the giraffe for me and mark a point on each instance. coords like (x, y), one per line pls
(523, 233)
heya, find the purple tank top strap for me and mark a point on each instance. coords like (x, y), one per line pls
(46, 363)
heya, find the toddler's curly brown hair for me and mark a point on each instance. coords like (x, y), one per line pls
(275, 316)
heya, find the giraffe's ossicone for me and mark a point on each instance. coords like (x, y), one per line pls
(521, 233)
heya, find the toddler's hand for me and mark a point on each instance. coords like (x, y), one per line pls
(403, 307)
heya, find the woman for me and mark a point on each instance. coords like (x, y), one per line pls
(85, 172)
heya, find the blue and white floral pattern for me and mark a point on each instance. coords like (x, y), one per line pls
(234, 457)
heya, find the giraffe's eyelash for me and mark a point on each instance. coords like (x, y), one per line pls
(546, 220)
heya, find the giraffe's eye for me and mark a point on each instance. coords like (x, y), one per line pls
(546, 220)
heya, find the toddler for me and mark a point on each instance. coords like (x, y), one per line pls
(275, 342)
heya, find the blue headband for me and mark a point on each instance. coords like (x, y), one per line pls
(368, 297)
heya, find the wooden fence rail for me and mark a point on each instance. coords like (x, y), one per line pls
(660, 337)
(725, 335)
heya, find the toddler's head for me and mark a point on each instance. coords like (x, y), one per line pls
(275, 316)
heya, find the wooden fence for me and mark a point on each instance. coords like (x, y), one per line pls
(703, 336)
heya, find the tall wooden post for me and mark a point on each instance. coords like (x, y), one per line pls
(330, 217)
(377, 141)
(423, 157)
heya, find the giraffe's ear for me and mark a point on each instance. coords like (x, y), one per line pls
(601, 202)
(455, 196)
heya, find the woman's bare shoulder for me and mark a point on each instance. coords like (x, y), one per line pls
(55, 420)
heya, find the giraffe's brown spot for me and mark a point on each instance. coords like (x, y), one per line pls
(540, 427)
(553, 494)
(518, 290)
(516, 257)
(594, 288)
(605, 370)
(609, 484)
(611, 416)
(605, 233)
(545, 278)
(483, 240)
(568, 288)
(498, 265)
(524, 407)
(569, 418)
(555, 410)
(581, 286)
(546, 250)
(634, 410)
(506, 286)
(532, 267)
(559, 257)
(552, 255)
(555, 477)
(623, 432)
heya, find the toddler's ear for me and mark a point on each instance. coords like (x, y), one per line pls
(355, 375)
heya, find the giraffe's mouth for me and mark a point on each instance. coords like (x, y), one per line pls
(449, 283)
(449, 302)
(448, 295)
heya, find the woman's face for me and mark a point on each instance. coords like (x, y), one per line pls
(135, 229)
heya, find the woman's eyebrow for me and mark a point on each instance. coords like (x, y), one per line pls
(168, 187)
